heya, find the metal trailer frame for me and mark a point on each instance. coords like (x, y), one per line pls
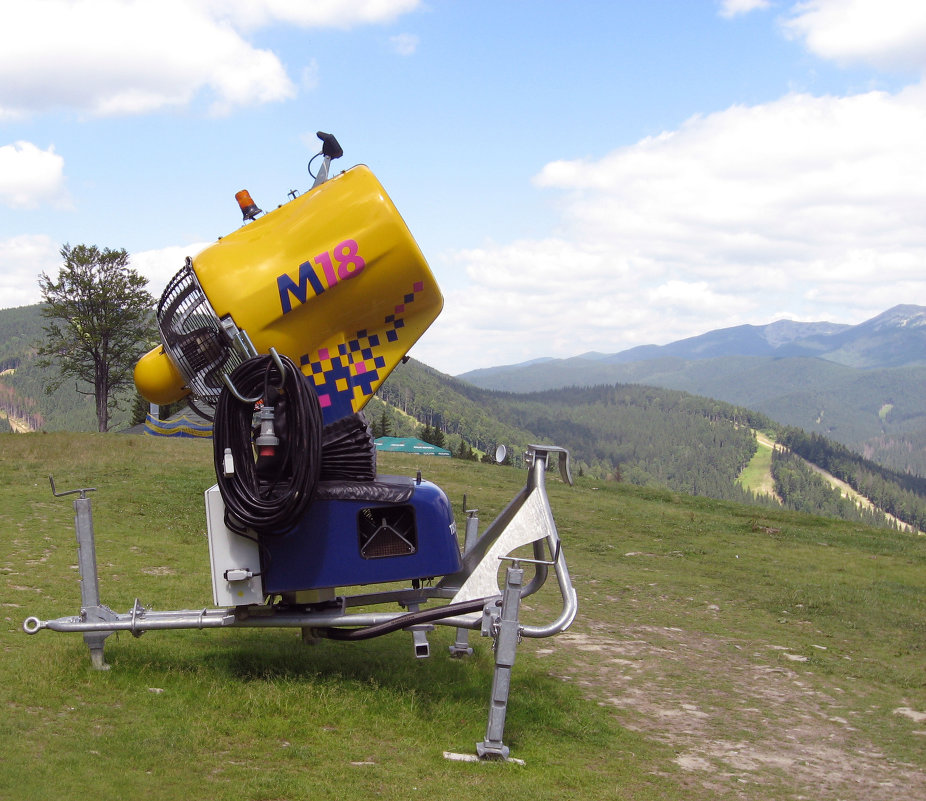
(475, 600)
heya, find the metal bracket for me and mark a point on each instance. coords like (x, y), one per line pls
(420, 634)
(527, 519)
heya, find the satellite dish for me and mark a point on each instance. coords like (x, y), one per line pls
(500, 453)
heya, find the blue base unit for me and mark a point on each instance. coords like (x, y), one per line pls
(391, 529)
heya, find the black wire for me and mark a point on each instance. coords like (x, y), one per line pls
(268, 505)
(310, 164)
(233, 525)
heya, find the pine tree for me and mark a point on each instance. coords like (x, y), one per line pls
(385, 424)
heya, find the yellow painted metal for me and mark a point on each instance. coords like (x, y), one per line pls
(333, 279)
(157, 378)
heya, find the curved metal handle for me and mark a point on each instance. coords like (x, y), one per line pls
(231, 387)
(545, 451)
(83, 492)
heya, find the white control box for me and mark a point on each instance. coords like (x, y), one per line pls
(235, 559)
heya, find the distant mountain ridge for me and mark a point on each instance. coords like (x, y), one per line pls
(741, 340)
(861, 385)
(894, 338)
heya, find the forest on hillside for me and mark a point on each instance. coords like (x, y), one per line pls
(877, 411)
(23, 382)
(802, 489)
(641, 435)
(20, 390)
(902, 495)
(651, 436)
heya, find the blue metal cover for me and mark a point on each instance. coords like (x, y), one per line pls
(341, 543)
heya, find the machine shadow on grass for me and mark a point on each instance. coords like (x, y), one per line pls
(431, 687)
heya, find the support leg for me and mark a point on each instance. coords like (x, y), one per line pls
(90, 606)
(461, 646)
(506, 643)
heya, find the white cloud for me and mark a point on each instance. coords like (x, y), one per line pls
(753, 182)
(883, 33)
(160, 265)
(312, 14)
(23, 259)
(30, 176)
(812, 204)
(733, 8)
(113, 57)
(310, 75)
(405, 44)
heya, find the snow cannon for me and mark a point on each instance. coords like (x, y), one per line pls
(280, 333)
(331, 279)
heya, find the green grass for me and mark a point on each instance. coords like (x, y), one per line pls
(757, 475)
(693, 614)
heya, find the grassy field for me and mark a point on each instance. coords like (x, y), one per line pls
(757, 475)
(720, 652)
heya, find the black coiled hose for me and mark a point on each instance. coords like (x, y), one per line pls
(268, 501)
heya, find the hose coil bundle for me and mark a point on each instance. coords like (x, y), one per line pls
(268, 500)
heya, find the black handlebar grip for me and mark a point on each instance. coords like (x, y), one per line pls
(330, 146)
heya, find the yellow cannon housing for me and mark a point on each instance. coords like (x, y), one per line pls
(332, 279)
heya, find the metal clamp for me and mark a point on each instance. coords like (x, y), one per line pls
(137, 611)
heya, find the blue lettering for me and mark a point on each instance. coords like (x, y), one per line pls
(287, 286)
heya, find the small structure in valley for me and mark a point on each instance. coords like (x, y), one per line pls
(409, 445)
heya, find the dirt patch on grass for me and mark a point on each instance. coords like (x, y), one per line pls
(743, 723)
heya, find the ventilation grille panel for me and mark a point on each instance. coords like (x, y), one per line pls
(387, 531)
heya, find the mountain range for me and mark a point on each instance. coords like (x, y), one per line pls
(894, 338)
(640, 428)
(861, 385)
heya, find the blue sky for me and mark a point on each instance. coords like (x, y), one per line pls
(580, 175)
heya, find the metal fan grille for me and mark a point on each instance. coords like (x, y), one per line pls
(387, 531)
(194, 337)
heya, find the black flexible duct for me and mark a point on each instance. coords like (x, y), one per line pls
(403, 622)
(269, 499)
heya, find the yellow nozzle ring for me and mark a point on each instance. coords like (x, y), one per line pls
(158, 379)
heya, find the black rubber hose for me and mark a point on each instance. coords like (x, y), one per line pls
(403, 622)
(268, 504)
